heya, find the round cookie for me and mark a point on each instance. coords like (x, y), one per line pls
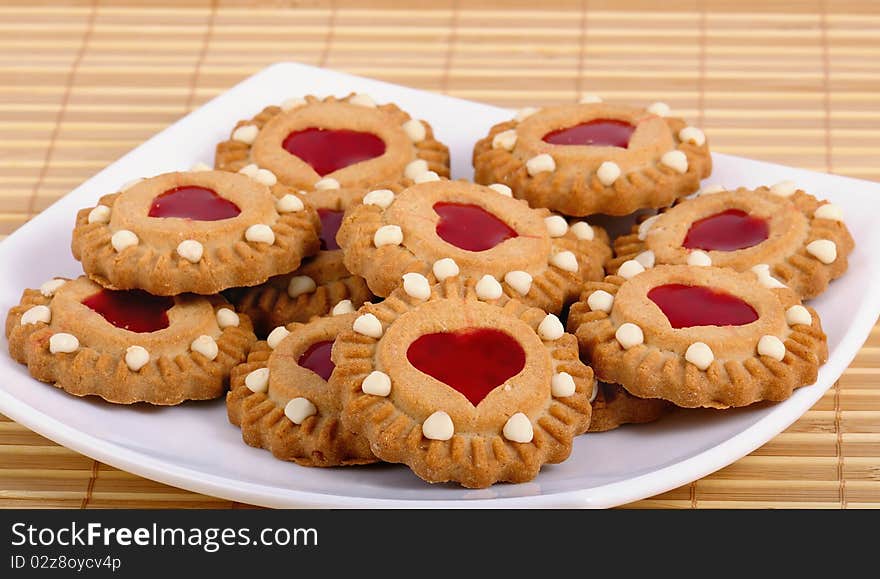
(613, 407)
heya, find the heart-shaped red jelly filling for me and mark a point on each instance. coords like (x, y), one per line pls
(328, 150)
(317, 359)
(470, 227)
(193, 202)
(132, 310)
(694, 305)
(600, 132)
(473, 361)
(330, 222)
(726, 231)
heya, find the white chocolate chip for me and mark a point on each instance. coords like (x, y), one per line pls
(327, 184)
(258, 380)
(589, 99)
(227, 318)
(376, 383)
(266, 177)
(190, 250)
(630, 268)
(798, 315)
(784, 188)
(201, 167)
(608, 172)
(260, 233)
(445, 268)
(824, 250)
(829, 211)
(438, 426)
(524, 113)
(129, 184)
(600, 301)
(542, 163)
(562, 385)
(62, 343)
(660, 109)
(206, 346)
(292, 103)
(595, 392)
(520, 281)
(518, 429)
(362, 100)
(415, 130)
(290, 203)
(700, 355)
(488, 288)
(380, 198)
(298, 409)
(250, 170)
(136, 357)
(100, 214)
(36, 314)
(426, 177)
(772, 347)
(646, 225)
(301, 284)
(699, 258)
(675, 160)
(276, 336)
(388, 235)
(501, 189)
(415, 168)
(123, 239)
(368, 325)
(692, 135)
(49, 288)
(342, 308)
(550, 328)
(583, 231)
(629, 335)
(646, 258)
(565, 260)
(246, 134)
(556, 225)
(416, 286)
(765, 278)
(712, 189)
(505, 140)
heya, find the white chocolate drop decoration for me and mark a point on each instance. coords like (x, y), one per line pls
(201, 167)
(301, 284)
(699, 258)
(542, 163)
(646, 225)
(438, 426)
(630, 268)
(63, 343)
(415, 168)
(277, 336)
(260, 233)
(445, 268)
(824, 250)
(565, 260)
(342, 308)
(595, 392)
(798, 315)
(368, 325)
(258, 380)
(123, 239)
(250, 170)
(376, 383)
(524, 113)
(190, 250)
(600, 301)
(765, 278)
(829, 211)
(206, 346)
(426, 177)
(388, 235)
(100, 214)
(327, 184)
(518, 429)
(227, 318)
(550, 328)
(629, 335)
(501, 189)
(416, 286)
(660, 109)
(583, 231)
(692, 135)
(488, 288)
(246, 134)
(520, 281)
(292, 103)
(589, 99)
(556, 225)
(298, 409)
(675, 160)
(505, 140)
(382, 198)
(772, 347)
(36, 314)
(49, 288)
(608, 172)
(784, 188)
(700, 355)
(562, 385)
(290, 203)
(136, 357)
(265, 177)
(362, 100)
(415, 130)
(646, 258)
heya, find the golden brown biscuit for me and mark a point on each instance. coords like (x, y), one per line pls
(613, 406)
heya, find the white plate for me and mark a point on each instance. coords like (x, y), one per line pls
(193, 446)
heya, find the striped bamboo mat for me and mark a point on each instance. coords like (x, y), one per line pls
(793, 82)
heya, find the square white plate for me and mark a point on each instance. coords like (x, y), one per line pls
(193, 446)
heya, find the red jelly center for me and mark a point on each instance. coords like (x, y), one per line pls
(693, 305)
(132, 310)
(472, 361)
(470, 227)
(328, 150)
(191, 202)
(317, 359)
(601, 132)
(330, 222)
(727, 231)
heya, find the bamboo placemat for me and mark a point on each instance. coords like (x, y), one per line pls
(793, 82)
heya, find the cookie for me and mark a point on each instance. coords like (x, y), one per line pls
(698, 336)
(282, 401)
(613, 406)
(594, 157)
(351, 142)
(781, 233)
(197, 231)
(462, 388)
(127, 346)
(444, 228)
